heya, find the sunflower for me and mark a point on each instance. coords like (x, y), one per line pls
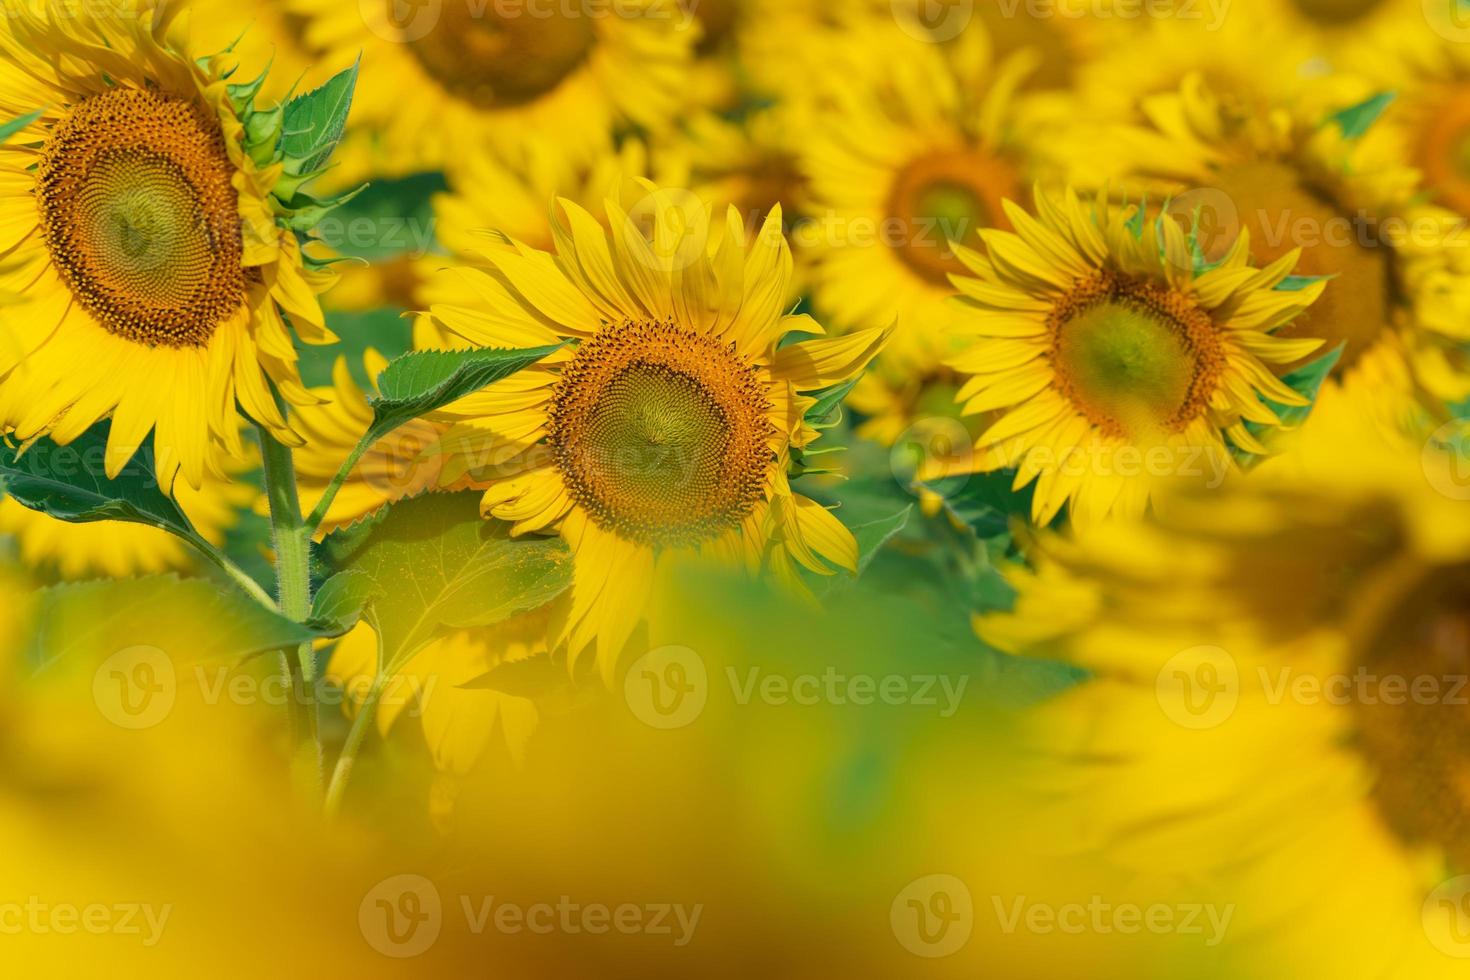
(669, 429)
(903, 167)
(487, 74)
(1320, 176)
(143, 298)
(1119, 361)
(119, 550)
(1278, 683)
(1250, 62)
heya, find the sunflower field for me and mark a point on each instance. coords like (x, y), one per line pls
(758, 488)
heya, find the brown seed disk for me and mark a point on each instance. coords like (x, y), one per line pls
(140, 216)
(661, 434)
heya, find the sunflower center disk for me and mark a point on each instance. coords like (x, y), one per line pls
(502, 60)
(943, 199)
(1417, 732)
(1282, 214)
(1133, 358)
(141, 218)
(661, 434)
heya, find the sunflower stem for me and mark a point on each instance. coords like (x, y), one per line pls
(292, 540)
(319, 513)
(342, 774)
(235, 573)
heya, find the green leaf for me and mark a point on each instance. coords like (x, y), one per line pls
(338, 605)
(70, 483)
(425, 381)
(189, 620)
(827, 412)
(16, 125)
(315, 121)
(433, 564)
(873, 536)
(1357, 120)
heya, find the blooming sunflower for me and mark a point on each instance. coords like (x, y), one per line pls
(1323, 178)
(119, 550)
(669, 428)
(907, 165)
(143, 238)
(1101, 337)
(486, 74)
(1251, 62)
(1279, 670)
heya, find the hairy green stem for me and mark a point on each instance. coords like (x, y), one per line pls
(292, 541)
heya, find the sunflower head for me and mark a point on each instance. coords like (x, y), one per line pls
(671, 425)
(1103, 338)
(155, 240)
(1313, 610)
